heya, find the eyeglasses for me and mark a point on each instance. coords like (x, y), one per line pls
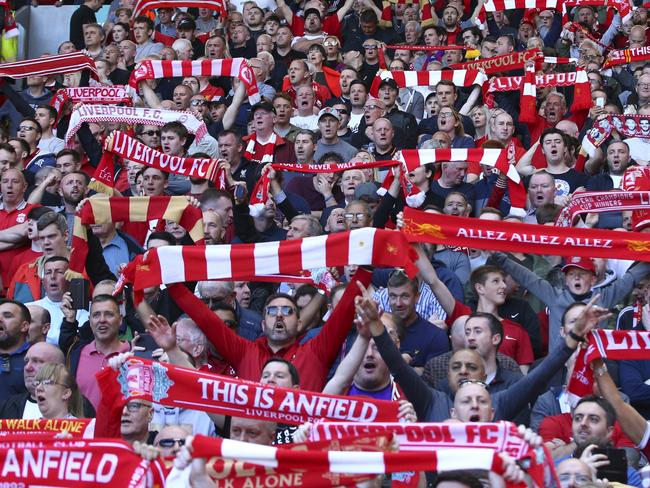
(151, 133)
(134, 407)
(330, 43)
(578, 478)
(198, 103)
(370, 46)
(464, 382)
(285, 310)
(643, 85)
(27, 128)
(170, 442)
(354, 216)
(47, 382)
(371, 107)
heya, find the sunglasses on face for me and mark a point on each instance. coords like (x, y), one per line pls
(198, 103)
(151, 133)
(171, 442)
(284, 310)
(330, 43)
(26, 128)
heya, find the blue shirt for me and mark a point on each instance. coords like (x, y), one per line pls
(115, 253)
(423, 341)
(12, 381)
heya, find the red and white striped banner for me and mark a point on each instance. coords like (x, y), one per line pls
(49, 65)
(178, 264)
(622, 6)
(501, 5)
(143, 6)
(409, 79)
(154, 69)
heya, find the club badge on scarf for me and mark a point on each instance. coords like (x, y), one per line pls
(625, 125)
(617, 57)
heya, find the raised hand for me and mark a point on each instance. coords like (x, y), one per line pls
(162, 333)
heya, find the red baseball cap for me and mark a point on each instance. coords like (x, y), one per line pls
(583, 263)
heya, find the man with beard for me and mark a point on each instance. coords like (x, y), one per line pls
(320, 190)
(73, 189)
(55, 286)
(14, 326)
(329, 120)
(618, 160)
(230, 150)
(592, 426)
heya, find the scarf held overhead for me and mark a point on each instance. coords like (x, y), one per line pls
(173, 386)
(178, 264)
(49, 65)
(30, 427)
(155, 69)
(601, 201)
(143, 6)
(112, 95)
(132, 116)
(626, 56)
(535, 239)
(133, 209)
(410, 79)
(625, 125)
(506, 62)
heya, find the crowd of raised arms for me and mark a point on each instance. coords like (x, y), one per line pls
(469, 297)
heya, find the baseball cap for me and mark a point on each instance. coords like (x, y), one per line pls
(578, 262)
(263, 105)
(310, 11)
(329, 111)
(366, 191)
(390, 82)
(186, 24)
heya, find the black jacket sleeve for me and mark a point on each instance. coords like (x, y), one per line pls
(90, 145)
(96, 267)
(17, 100)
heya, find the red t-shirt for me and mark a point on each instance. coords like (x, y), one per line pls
(7, 220)
(559, 427)
(515, 343)
(331, 25)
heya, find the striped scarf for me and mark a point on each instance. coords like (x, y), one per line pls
(601, 201)
(261, 153)
(179, 264)
(48, 66)
(623, 7)
(133, 209)
(409, 79)
(502, 5)
(625, 56)
(154, 69)
(89, 94)
(144, 6)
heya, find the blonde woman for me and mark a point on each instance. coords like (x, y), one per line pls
(57, 394)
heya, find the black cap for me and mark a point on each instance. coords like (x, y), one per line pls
(263, 105)
(186, 24)
(312, 11)
(390, 82)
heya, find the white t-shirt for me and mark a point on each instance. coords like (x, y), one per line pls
(56, 318)
(305, 122)
(31, 410)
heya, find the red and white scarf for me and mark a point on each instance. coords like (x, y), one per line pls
(502, 5)
(495, 158)
(610, 344)
(528, 111)
(625, 125)
(113, 95)
(239, 67)
(144, 6)
(623, 7)
(505, 62)
(514, 236)
(578, 79)
(77, 428)
(601, 201)
(174, 386)
(260, 193)
(131, 209)
(44, 461)
(261, 153)
(409, 79)
(179, 264)
(347, 462)
(617, 57)
(49, 65)
(130, 148)
(132, 115)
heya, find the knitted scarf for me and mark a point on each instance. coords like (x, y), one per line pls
(502, 5)
(127, 147)
(506, 62)
(409, 79)
(601, 201)
(623, 7)
(610, 344)
(143, 6)
(625, 56)
(45, 461)
(261, 153)
(89, 94)
(153, 69)
(77, 428)
(625, 125)
(260, 193)
(528, 111)
(133, 209)
(48, 66)
(132, 116)
(367, 246)
(174, 386)
(513, 237)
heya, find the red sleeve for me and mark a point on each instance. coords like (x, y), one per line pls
(459, 309)
(619, 439)
(297, 25)
(556, 427)
(496, 195)
(331, 25)
(111, 403)
(228, 344)
(327, 344)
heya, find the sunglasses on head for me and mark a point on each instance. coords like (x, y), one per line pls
(464, 382)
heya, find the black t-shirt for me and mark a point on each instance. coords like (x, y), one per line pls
(437, 193)
(567, 182)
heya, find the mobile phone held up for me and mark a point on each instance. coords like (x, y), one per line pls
(80, 292)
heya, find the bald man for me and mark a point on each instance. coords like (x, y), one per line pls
(40, 324)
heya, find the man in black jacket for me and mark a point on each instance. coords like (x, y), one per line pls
(85, 14)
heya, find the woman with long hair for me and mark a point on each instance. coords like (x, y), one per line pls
(450, 122)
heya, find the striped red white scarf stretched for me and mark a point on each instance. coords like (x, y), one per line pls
(236, 67)
(622, 6)
(133, 209)
(409, 79)
(601, 201)
(261, 153)
(495, 158)
(132, 116)
(113, 95)
(502, 5)
(49, 65)
(617, 57)
(143, 6)
(179, 264)
(349, 462)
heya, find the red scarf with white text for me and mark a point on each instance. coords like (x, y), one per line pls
(601, 201)
(77, 428)
(112, 95)
(626, 56)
